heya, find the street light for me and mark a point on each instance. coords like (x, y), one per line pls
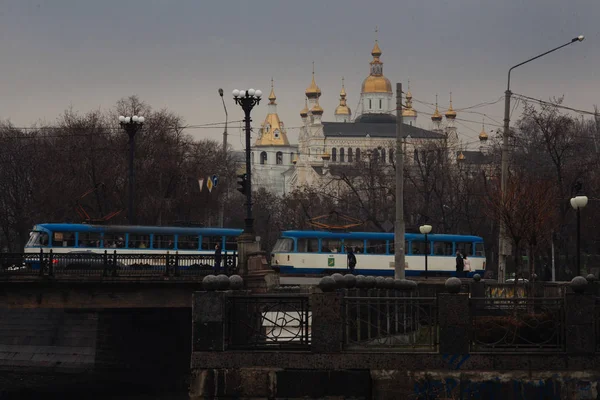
(222, 202)
(131, 125)
(247, 100)
(501, 244)
(578, 203)
(425, 229)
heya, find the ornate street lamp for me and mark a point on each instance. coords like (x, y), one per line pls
(578, 203)
(131, 125)
(247, 100)
(425, 230)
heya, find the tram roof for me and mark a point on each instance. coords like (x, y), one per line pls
(139, 229)
(379, 236)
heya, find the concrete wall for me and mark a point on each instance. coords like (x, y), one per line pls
(271, 383)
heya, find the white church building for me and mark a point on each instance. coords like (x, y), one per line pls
(324, 147)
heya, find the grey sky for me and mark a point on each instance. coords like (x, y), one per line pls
(176, 54)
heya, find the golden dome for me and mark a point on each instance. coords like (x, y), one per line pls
(483, 136)
(450, 114)
(313, 90)
(343, 108)
(376, 52)
(326, 156)
(316, 109)
(461, 156)
(436, 115)
(376, 84)
(409, 111)
(272, 97)
(304, 111)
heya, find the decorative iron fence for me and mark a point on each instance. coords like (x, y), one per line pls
(390, 323)
(517, 324)
(89, 264)
(266, 322)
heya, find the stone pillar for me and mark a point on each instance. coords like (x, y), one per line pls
(208, 321)
(260, 277)
(580, 318)
(454, 319)
(327, 321)
(247, 244)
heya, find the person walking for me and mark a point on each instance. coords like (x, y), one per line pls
(217, 258)
(351, 260)
(467, 264)
(460, 265)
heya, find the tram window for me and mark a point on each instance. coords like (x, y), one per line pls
(464, 248)
(137, 241)
(188, 242)
(420, 248)
(331, 246)
(357, 246)
(210, 242)
(442, 248)
(114, 240)
(283, 246)
(308, 245)
(89, 239)
(393, 248)
(163, 242)
(37, 239)
(230, 243)
(63, 239)
(375, 246)
(479, 250)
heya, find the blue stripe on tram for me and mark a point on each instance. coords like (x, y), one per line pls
(288, 269)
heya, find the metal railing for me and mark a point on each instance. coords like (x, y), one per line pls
(113, 264)
(517, 324)
(390, 323)
(268, 322)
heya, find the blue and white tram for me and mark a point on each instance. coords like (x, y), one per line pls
(320, 252)
(63, 238)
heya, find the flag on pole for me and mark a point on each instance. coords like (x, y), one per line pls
(209, 184)
(200, 183)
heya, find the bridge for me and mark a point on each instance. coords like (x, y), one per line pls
(368, 338)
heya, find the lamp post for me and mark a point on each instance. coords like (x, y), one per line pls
(222, 202)
(131, 125)
(247, 100)
(426, 229)
(578, 203)
(501, 244)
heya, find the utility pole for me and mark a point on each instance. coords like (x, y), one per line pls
(222, 200)
(399, 266)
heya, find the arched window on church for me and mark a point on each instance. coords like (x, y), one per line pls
(416, 157)
(380, 104)
(292, 157)
(350, 154)
(279, 158)
(391, 158)
(263, 157)
(342, 154)
(357, 155)
(383, 156)
(334, 154)
(375, 156)
(369, 103)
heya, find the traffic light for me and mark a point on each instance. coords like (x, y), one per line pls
(242, 183)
